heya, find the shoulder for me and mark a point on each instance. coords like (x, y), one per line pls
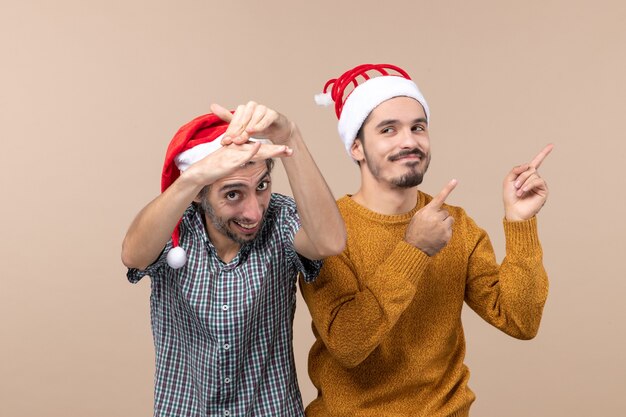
(349, 208)
(281, 202)
(191, 219)
(281, 207)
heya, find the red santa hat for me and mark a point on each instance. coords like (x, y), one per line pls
(367, 93)
(191, 143)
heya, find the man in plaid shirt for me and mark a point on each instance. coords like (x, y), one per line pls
(224, 282)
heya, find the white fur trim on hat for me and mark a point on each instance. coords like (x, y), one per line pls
(189, 157)
(367, 96)
(323, 99)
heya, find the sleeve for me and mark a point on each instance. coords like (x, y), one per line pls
(135, 275)
(510, 296)
(353, 314)
(309, 268)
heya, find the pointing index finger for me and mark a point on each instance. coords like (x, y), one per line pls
(536, 162)
(221, 112)
(440, 198)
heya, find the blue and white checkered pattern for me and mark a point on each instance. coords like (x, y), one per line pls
(223, 332)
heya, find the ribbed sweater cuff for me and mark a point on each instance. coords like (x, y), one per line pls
(522, 234)
(407, 260)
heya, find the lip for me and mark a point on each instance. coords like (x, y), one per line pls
(246, 230)
(405, 158)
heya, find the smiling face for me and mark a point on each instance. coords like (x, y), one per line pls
(394, 147)
(235, 206)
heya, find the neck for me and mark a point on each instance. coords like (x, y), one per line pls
(384, 199)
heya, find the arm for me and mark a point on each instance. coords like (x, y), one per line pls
(152, 228)
(323, 231)
(511, 297)
(354, 311)
(352, 314)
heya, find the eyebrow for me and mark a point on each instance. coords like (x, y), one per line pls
(235, 185)
(395, 121)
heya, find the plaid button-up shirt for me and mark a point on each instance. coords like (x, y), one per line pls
(223, 331)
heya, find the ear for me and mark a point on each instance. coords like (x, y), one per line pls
(356, 151)
(203, 193)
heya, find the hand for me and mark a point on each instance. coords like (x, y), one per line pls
(254, 120)
(228, 159)
(431, 227)
(524, 191)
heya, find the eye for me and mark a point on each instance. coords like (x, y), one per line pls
(418, 128)
(232, 195)
(264, 185)
(386, 130)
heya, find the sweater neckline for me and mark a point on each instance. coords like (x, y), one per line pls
(383, 218)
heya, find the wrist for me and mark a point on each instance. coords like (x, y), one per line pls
(290, 137)
(193, 178)
(515, 217)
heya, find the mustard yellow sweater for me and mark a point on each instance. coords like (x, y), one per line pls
(387, 317)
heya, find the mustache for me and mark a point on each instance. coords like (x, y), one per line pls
(405, 152)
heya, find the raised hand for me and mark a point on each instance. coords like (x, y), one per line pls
(228, 159)
(524, 191)
(254, 120)
(430, 228)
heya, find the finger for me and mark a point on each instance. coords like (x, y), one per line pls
(516, 172)
(523, 177)
(523, 185)
(438, 200)
(240, 129)
(536, 162)
(246, 116)
(534, 184)
(239, 140)
(269, 117)
(267, 151)
(221, 112)
(257, 116)
(234, 127)
(226, 140)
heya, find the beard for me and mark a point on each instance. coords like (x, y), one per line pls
(410, 179)
(221, 224)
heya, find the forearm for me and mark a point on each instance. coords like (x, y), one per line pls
(316, 205)
(353, 316)
(153, 226)
(511, 296)
(524, 279)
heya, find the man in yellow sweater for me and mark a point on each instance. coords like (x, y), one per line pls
(387, 311)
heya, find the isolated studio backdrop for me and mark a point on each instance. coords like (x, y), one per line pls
(91, 93)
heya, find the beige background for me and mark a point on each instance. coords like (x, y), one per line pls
(92, 91)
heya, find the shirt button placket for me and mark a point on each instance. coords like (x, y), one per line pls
(227, 317)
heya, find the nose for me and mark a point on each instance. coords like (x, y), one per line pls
(407, 139)
(252, 210)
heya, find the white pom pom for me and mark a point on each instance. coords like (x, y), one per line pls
(323, 99)
(176, 257)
